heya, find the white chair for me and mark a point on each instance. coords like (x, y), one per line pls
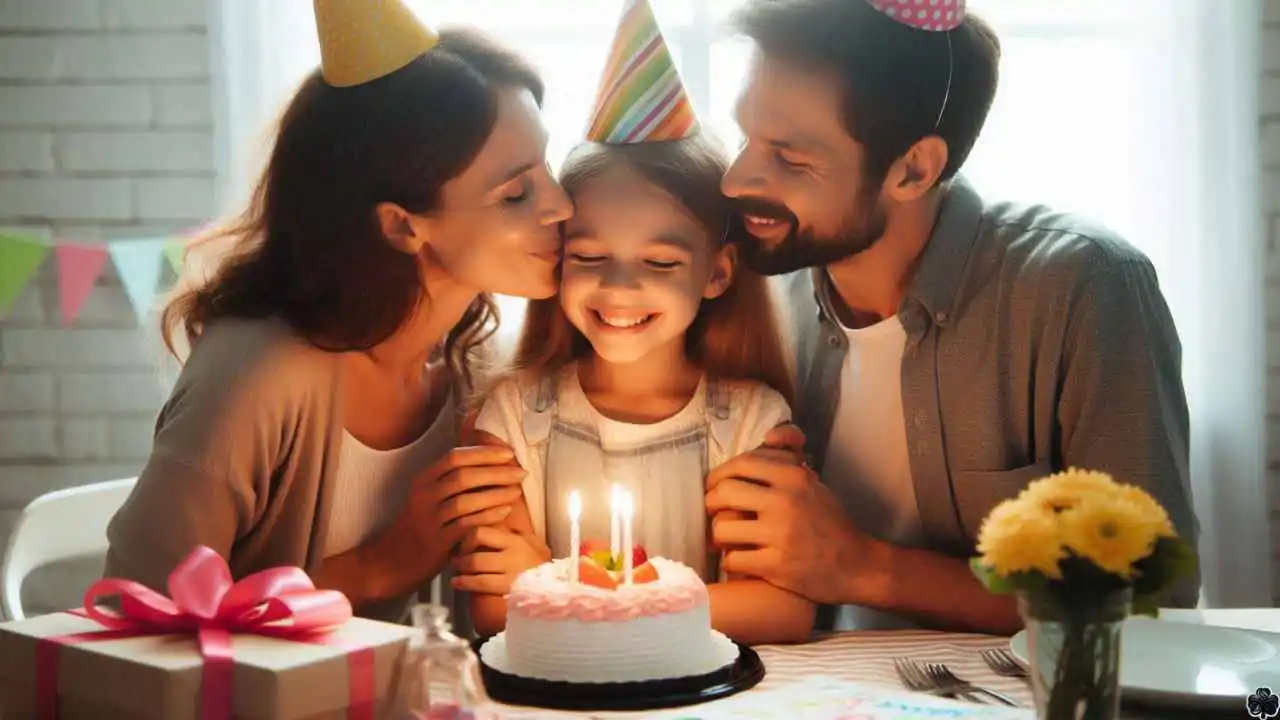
(61, 525)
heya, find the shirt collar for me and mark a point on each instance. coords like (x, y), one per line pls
(938, 275)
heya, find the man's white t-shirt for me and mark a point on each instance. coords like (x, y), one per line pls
(867, 465)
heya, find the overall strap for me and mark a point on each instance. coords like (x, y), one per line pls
(717, 399)
(718, 415)
(541, 408)
(545, 398)
(719, 431)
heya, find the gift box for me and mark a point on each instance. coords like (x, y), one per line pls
(249, 652)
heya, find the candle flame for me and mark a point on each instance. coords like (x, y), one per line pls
(575, 505)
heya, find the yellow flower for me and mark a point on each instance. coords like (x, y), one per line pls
(1113, 532)
(1021, 537)
(1065, 490)
(1150, 509)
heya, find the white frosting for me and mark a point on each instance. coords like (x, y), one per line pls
(546, 592)
(611, 646)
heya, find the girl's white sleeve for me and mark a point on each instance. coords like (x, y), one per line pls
(761, 409)
(503, 416)
(502, 413)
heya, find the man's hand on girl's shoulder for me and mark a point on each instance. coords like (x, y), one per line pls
(787, 437)
(777, 521)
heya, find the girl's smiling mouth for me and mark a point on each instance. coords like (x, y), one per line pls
(622, 319)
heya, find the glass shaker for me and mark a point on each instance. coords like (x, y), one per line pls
(443, 679)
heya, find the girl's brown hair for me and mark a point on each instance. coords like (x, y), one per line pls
(733, 336)
(309, 249)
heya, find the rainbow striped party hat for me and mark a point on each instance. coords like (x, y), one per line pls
(641, 98)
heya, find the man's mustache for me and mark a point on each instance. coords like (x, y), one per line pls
(764, 208)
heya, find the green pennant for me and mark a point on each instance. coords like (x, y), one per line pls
(20, 257)
(173, 252)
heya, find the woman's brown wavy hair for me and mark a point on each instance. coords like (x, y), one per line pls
(733, 336)
(309, 250)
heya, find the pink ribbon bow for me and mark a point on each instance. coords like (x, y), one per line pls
(279, 602)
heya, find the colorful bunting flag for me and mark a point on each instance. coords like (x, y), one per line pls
(78, 269)
(79, 265)
(138, 264)
(20, 257)
(174, 252)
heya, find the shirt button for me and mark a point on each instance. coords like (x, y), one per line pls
(942, 316)
(833, 341)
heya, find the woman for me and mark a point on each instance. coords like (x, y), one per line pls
(315, 419)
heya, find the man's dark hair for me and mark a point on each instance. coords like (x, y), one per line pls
(893, 77)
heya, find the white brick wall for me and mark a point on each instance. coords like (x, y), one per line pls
(104, 132)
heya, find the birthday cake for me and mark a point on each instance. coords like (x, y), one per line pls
(593, 626)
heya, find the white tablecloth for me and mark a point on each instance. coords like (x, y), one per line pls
(863, 657)
(867, 658)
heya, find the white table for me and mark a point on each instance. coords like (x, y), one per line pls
(867, 658)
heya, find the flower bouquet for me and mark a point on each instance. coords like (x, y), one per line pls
(1082, 552)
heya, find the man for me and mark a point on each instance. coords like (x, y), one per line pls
(949, 350)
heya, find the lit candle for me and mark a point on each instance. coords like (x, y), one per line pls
(575, 533)
(615, 521)
(628, 509)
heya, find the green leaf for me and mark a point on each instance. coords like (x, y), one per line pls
(999, 584)
(991, 580)
(1171, 560)
(1148, 605)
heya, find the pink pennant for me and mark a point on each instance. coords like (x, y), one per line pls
(931, 15)
(78, 269)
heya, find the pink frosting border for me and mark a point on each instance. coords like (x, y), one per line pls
(545, 593)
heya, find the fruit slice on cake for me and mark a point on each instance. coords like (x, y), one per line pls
(599, 552)
(645, 573)
(598, 568)
(591, 573)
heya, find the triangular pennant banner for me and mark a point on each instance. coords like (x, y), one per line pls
(78, 269)
(20, 257)
(173, 252)
(138, 262)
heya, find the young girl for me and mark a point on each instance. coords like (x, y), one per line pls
(659, 360)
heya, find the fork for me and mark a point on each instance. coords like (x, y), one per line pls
(1003, 663)
(916, 680)
(942, 676)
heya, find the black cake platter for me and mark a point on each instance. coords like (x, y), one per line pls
(746, 672)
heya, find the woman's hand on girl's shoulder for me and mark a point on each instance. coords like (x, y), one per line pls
(469, 487)
(491, 558)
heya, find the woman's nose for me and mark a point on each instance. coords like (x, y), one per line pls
(558, 206)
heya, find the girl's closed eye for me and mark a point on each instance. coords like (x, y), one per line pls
(663, 264)
(579, 258)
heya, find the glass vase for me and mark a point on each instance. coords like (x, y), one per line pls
(1074, 648)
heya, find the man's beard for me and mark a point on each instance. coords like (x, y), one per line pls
(802, 248)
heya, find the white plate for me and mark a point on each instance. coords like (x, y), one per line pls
(1200, 666)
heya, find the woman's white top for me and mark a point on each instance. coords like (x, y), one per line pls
(371, 486)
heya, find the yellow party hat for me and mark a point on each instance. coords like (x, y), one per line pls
(363, 40)
(641, 98)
